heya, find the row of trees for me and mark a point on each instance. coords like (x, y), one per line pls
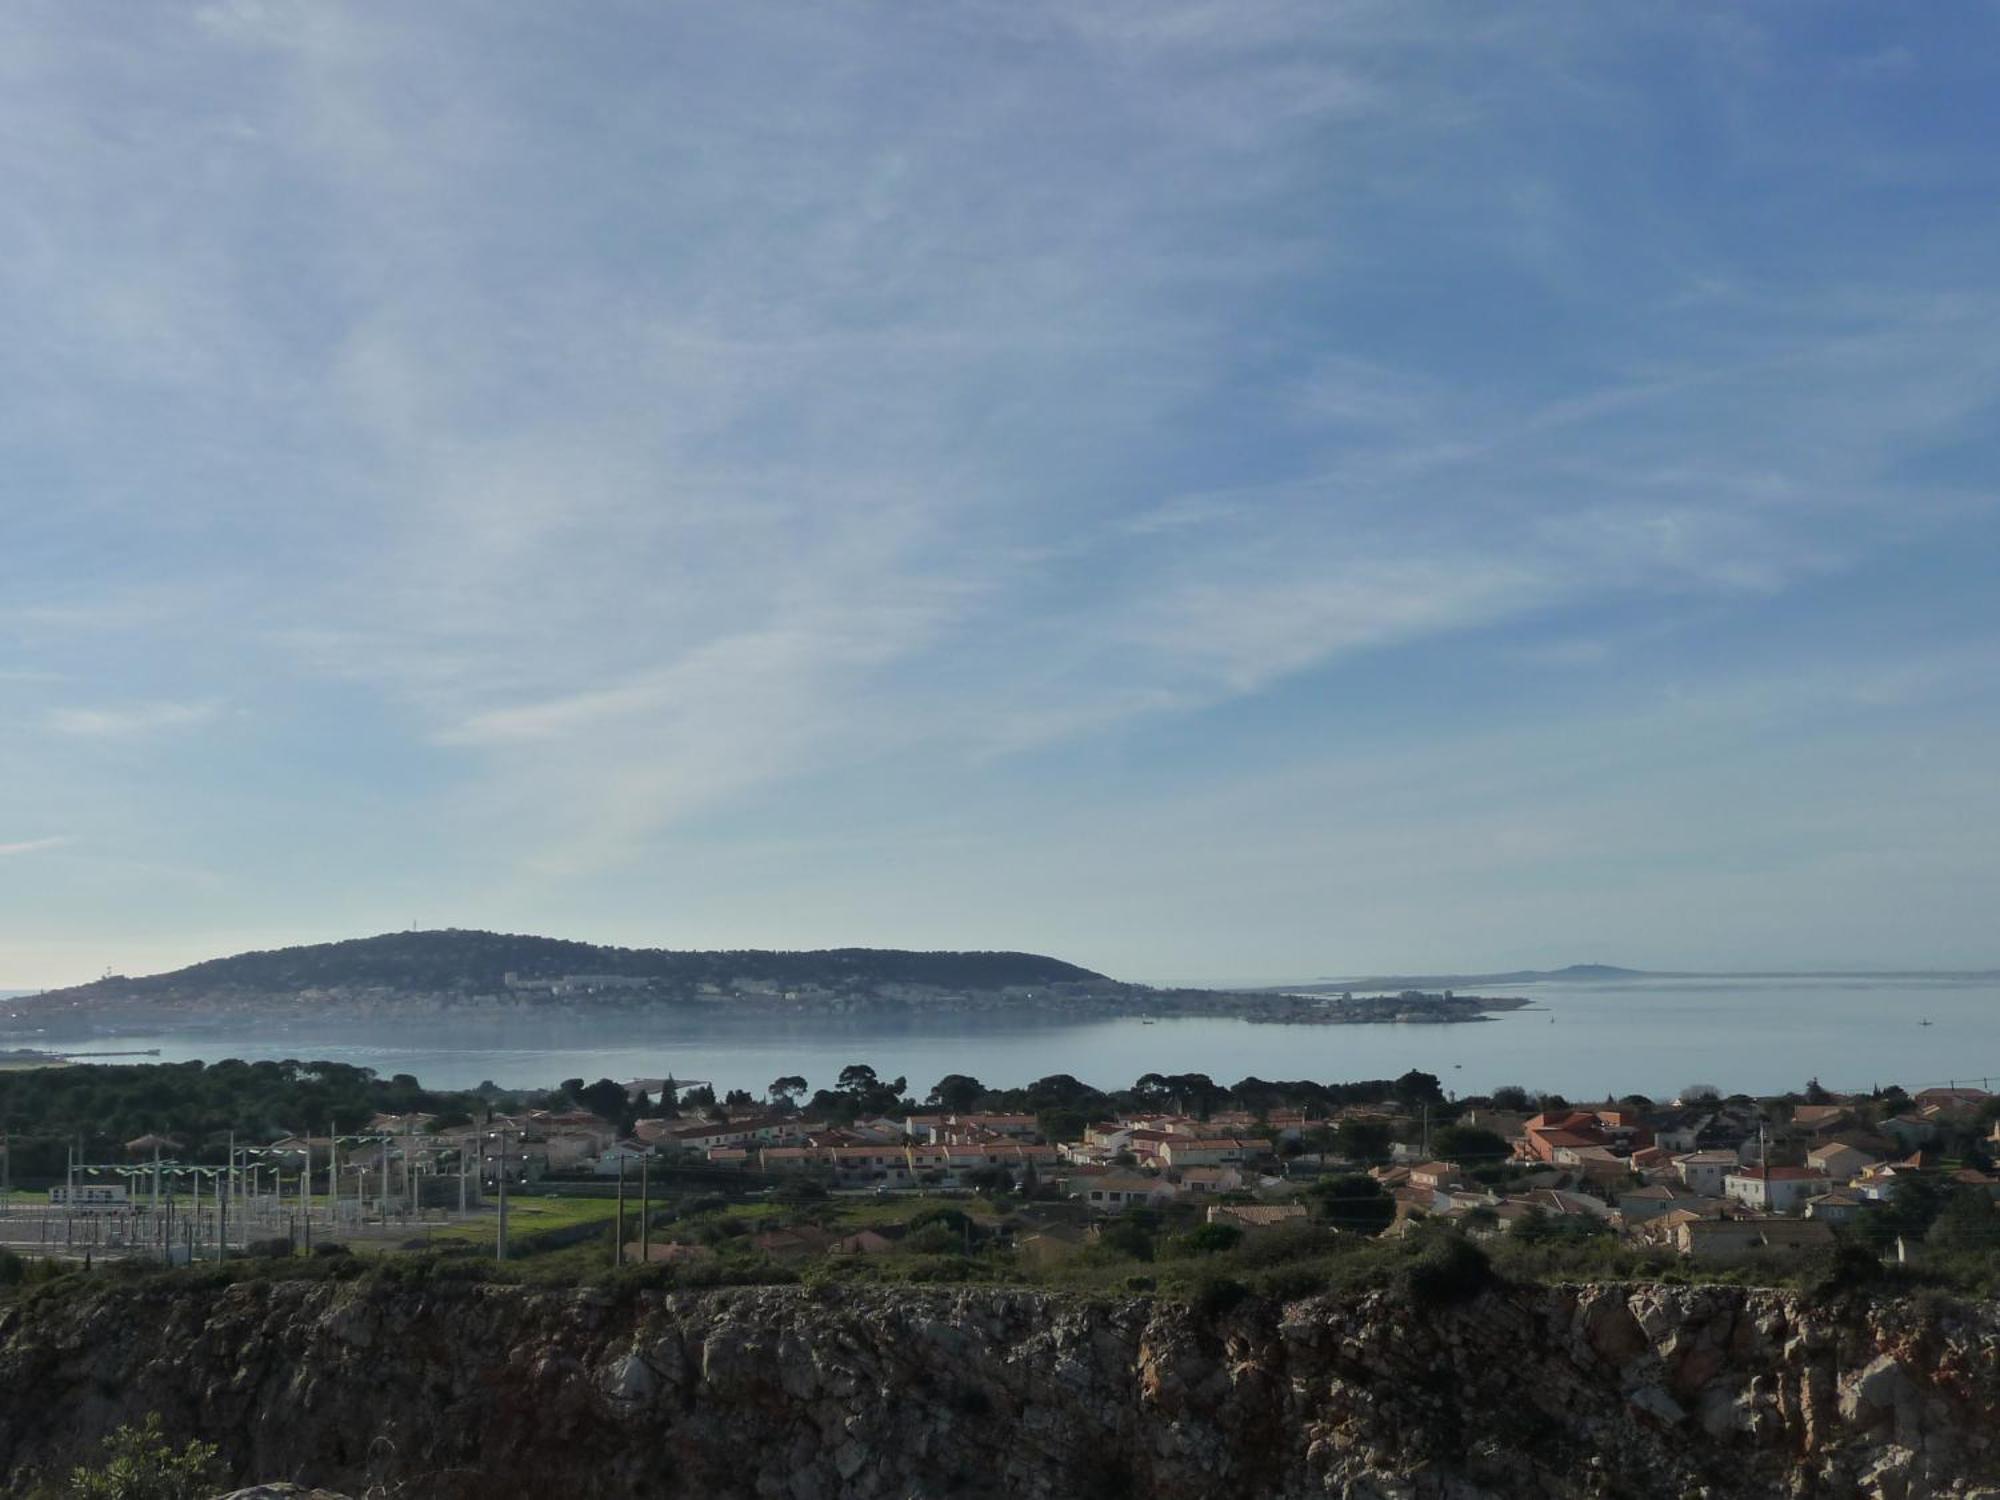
(1066, 1104)
(44, 1111)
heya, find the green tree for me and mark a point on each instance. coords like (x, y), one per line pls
(785, 1090)
(1203, 1239)
(1127, 1236)
(1419, 1088)
(141, 1463)
(1469, 1145)
(1966, 1222)
(606, 1099)
(1362, 1140)
(956, 1093)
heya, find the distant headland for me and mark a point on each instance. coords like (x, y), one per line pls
(469, 973)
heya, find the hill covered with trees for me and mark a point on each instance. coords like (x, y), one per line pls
(469, 961)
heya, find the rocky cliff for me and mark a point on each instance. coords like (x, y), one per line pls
(498, 1392)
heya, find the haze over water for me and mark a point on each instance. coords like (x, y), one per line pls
(1653, 1037)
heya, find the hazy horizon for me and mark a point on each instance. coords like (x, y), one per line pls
(1688, 971)
(1201, 491)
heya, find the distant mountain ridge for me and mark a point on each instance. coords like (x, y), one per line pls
(466, 959)
(1613, 974)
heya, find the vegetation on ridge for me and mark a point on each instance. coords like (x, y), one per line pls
(459, 958)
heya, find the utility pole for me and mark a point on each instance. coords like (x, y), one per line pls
(645, 1216)
(618, 1244)
(500, 1248)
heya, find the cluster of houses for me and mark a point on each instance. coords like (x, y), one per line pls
(1715, 1181)
(938, 1150)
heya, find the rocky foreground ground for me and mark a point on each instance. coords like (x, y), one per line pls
(899, 1394)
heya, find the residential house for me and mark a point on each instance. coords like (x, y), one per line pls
(1679, 1130)
(1821, 1120)
(1547, 1136)
(1841, 1206)
(1210, 1179)
(1212, 1151)
(1953, 1100)
(1625, 1129)
(1843, 1163)
(1114, 1192)
(1639, 1204)
(1777, 1190)
(1436, 1175)
(1703, 1171)
(1560, 1204)
(1596, 1165)
(1253, 1216)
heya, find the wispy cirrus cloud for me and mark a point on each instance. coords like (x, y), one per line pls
(599, 431)
(33, 846)
(130, 720)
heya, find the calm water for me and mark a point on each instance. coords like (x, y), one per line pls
(1653, 1037)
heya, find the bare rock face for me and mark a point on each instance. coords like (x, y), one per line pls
(919, 1394)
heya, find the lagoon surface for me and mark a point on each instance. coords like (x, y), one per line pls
(1652, 1036)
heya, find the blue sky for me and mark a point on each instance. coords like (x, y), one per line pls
(1213, 490)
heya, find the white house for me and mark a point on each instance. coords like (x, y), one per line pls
(1703, 1171)
(1777, 1190)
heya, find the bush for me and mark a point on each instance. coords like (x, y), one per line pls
(1127, 1237)
(1204, 1239)
(1450, 1270)
(141, 1464)
(934, 1239)
(1847, 1267)
(1211, 1295)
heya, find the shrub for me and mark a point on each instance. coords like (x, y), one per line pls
(1450, 1270)
(142, 1464)
(1126, 1237)
(1847, 1267)
(1211, 1295)
(1204, 1239)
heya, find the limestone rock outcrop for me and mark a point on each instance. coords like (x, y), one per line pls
(790, 1393)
